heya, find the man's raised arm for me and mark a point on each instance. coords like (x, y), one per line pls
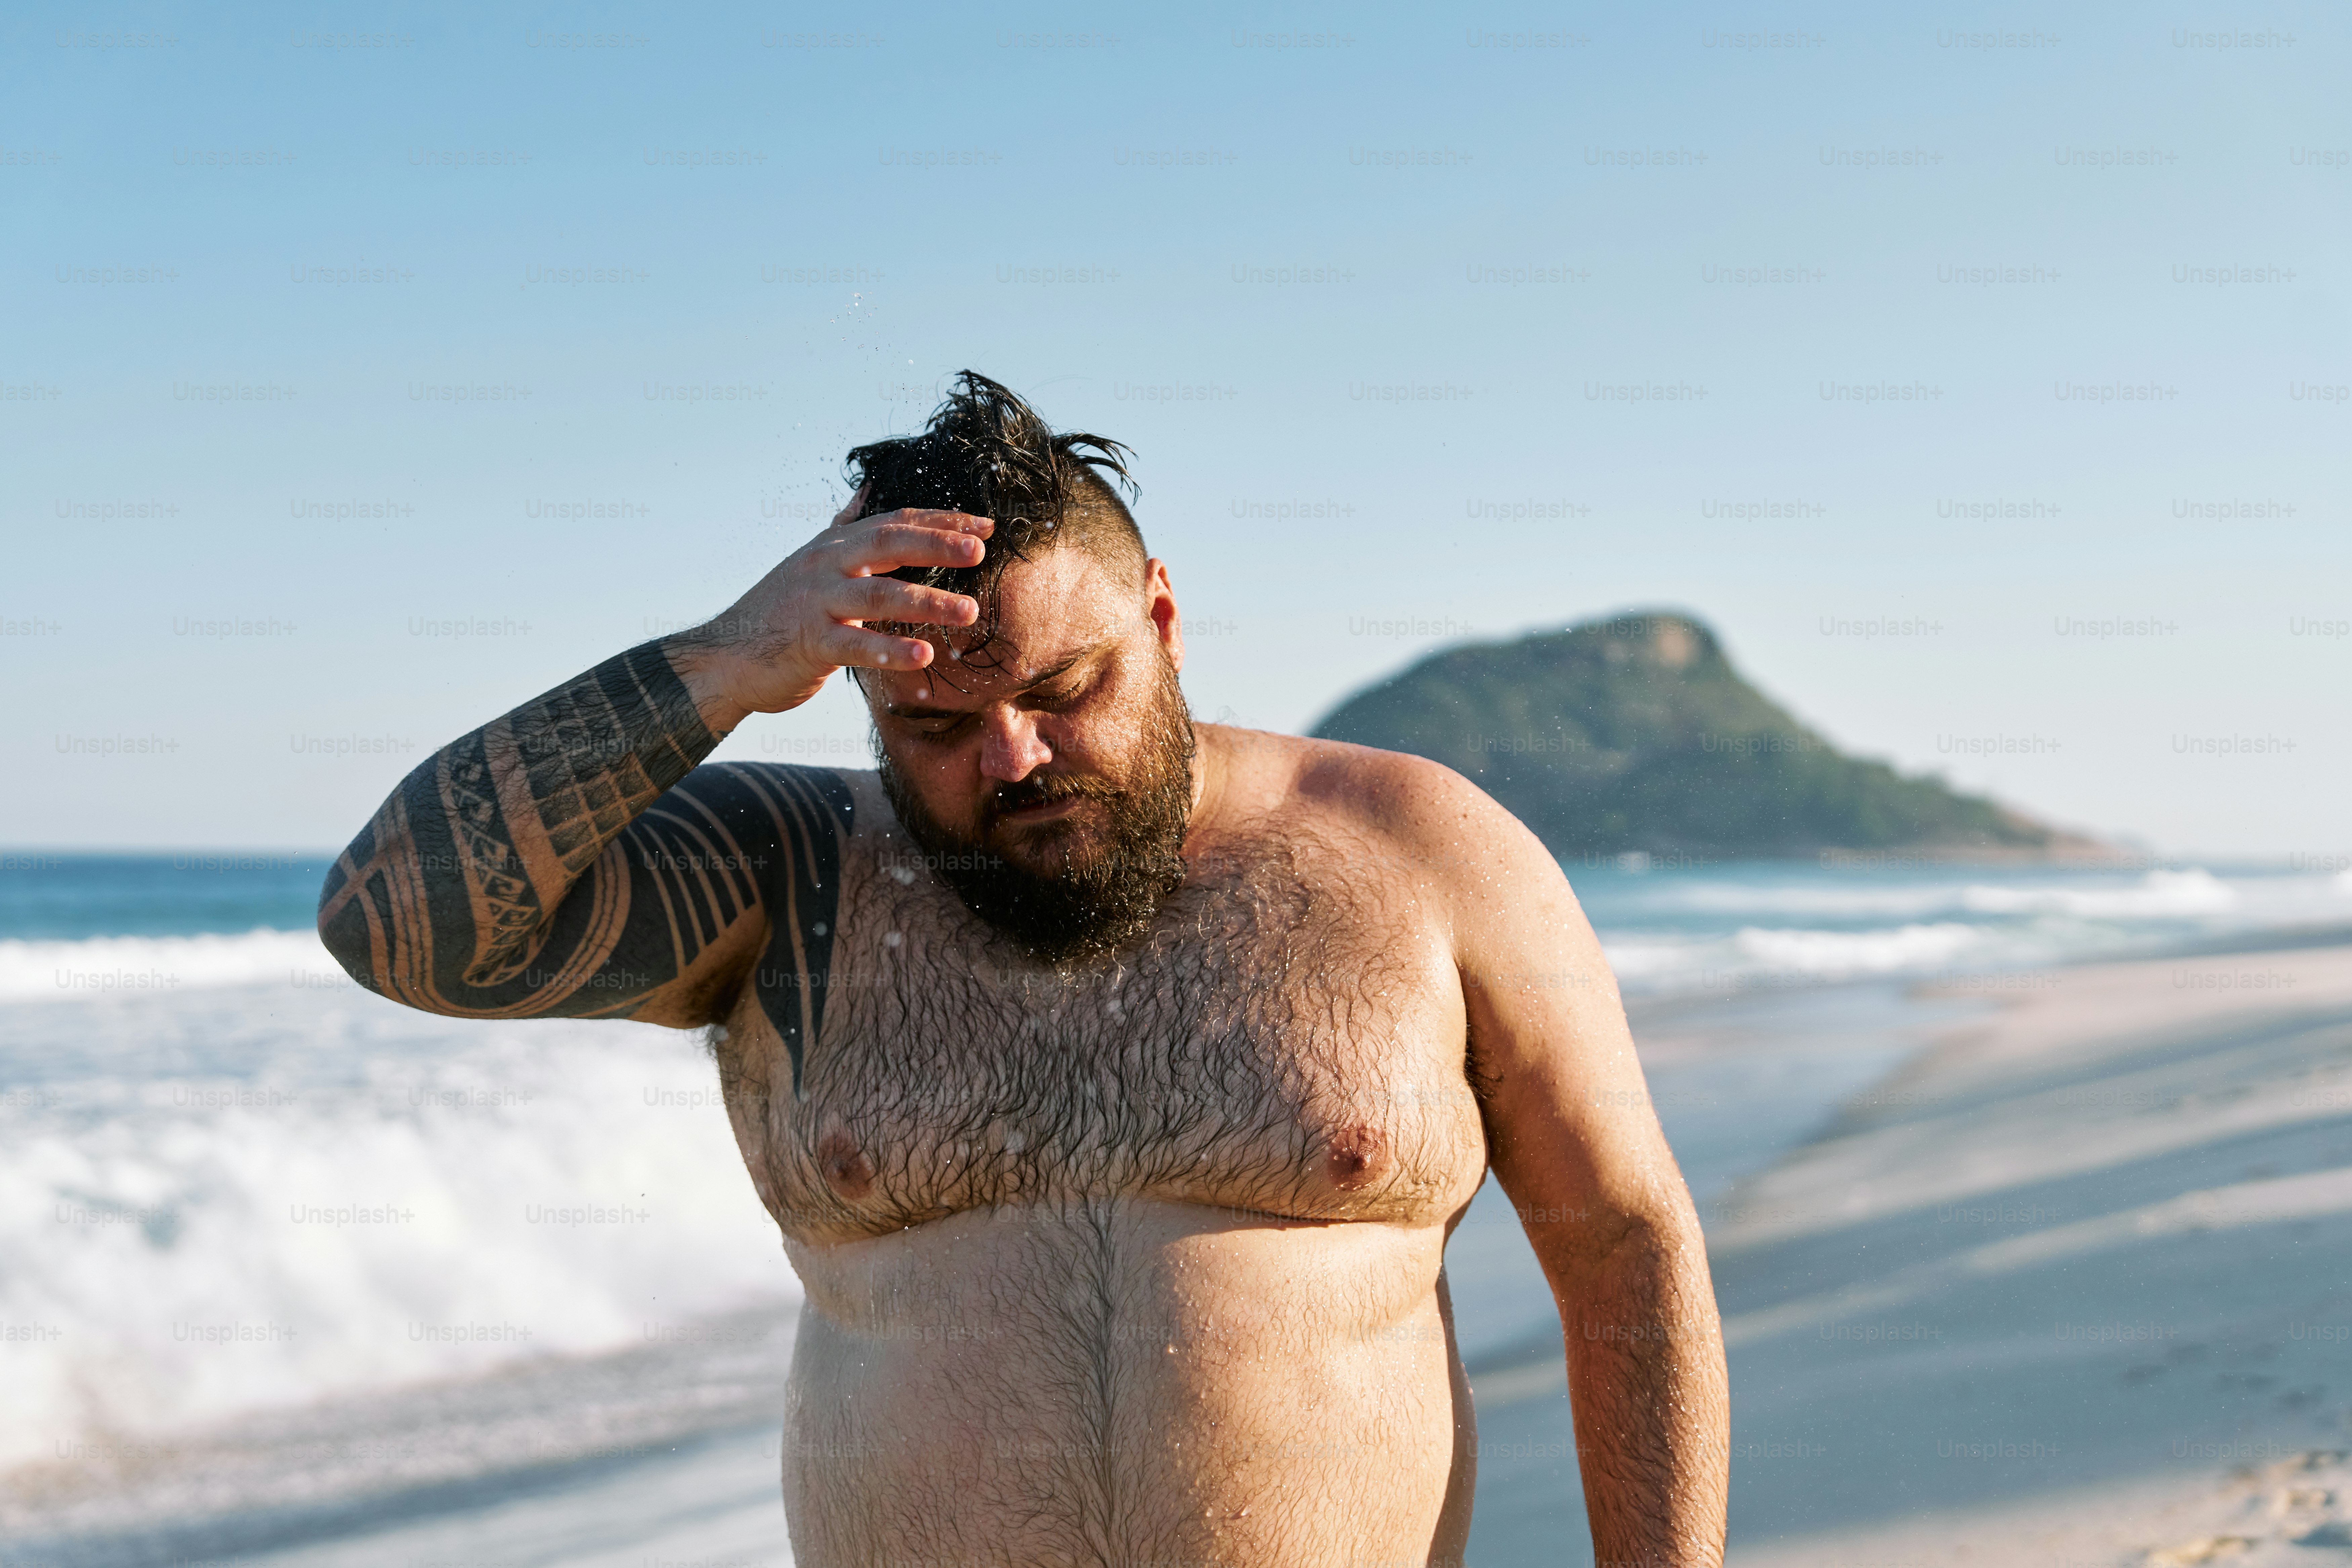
(570, 858)
(1575, 1144)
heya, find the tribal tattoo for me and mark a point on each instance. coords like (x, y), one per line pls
(571, 859)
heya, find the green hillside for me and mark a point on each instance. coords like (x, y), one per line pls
(1635, 733)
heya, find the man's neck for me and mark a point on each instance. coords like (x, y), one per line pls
(1211, 768)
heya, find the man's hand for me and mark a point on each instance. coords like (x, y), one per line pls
(778, 644)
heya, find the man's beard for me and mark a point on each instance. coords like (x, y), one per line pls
(1104, 890)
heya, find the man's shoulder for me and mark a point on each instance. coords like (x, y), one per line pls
(784, 795)
(1414, 807)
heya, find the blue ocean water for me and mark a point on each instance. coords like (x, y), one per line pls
(267, 1240)
(50, 895)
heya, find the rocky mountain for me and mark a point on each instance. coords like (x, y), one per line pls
(1635, 735)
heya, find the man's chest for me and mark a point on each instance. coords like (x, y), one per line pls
(1282, 1042)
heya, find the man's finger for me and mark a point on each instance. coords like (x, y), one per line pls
(933, 517)
(888, 599)
(845, 646)
(898, 544)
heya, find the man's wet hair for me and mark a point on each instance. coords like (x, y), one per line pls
(986, 452)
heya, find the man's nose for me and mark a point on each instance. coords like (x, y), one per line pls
(1010, 747)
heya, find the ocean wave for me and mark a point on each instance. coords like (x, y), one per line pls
(165, 965)
(2155, 895)
(1646, 961)
(334, 1197)
(1662, 963)
(1663, 936)
(1837, 955)
(1657, 963)
(1827, 901)
(2159, 895)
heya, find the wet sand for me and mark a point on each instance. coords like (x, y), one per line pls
(2073, 1286)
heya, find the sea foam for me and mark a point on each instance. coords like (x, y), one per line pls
(111, 965)
(227, 1196)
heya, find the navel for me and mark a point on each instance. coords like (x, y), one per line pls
(847, 1168)
(1359, 1157)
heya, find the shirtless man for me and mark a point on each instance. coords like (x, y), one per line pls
(1115, 1081)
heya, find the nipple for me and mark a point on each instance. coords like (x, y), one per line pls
(1359, 1157)
(847, 1168)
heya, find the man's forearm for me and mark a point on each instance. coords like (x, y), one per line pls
(1652, 1406)
(478, 845)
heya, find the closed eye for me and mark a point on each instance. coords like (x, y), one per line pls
(1056, 690)
(1055, 701)
(936, 726)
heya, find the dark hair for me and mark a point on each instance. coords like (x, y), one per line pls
(987, 453)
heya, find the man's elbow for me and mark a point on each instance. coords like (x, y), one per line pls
(1662, 1234)
(344, 932)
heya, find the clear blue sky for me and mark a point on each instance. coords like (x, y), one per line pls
(1343, 277)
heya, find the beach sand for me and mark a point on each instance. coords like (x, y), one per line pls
(2072, 1286)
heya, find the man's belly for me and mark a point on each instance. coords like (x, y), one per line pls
(1129, 1382)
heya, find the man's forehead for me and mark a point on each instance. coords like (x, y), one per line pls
(1053, 612)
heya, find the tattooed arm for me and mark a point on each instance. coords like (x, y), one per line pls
(570, 858)
(564, 860)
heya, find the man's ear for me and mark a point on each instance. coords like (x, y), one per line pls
(1160, 609)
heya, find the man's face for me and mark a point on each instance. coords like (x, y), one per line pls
(1049, 774)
